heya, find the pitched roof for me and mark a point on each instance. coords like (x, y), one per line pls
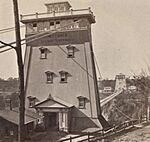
(54, 102)
(13, 116)
(29, 112)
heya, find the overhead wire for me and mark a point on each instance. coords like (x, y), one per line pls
(5, 50)
(75, 62)
(46, 34)
(99, 72)
(2, 31)
(122, 113)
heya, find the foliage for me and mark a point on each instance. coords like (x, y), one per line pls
(8, 90)
(130, 104)
(11, 84)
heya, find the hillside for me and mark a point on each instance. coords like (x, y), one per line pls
(140, 135)
(9, 91)
(9, 85)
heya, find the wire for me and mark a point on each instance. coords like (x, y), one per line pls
(41, 33)
(5, 50)
(76, 62)
(7, 29)
(123, 113)
(47, 34)
(6, 44)
(97, 66)
(2, 31)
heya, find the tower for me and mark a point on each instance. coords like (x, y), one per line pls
(61, 82)
(120, 82)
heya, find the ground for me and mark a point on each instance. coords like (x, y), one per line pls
(47, 136)
(140, 135)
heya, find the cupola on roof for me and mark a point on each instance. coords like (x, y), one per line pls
(58, 6)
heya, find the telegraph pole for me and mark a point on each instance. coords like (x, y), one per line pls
(21, 132)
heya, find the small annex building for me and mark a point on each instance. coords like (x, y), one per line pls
(9, 121)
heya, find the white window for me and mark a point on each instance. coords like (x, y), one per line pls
(49, 76)
(44, 52)
(52, 25)
(76, 23)
(57, 24)
(63, 76)
(71, 51)
(32, 101)
(82, 102)
(35, 27)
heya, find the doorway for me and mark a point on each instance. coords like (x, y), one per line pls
(51, 120)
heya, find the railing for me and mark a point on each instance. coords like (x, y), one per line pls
(56, 14)
(102, 134)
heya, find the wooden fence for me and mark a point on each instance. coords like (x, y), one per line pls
(102, 134)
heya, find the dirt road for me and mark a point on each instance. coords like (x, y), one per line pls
(140, 135)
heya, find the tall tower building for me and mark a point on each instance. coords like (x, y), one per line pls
(61, 82)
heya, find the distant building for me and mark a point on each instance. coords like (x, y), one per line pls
(59, 68)
(108, 87)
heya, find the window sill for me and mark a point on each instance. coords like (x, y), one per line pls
(43, 58)
(70, 56)
(49, 82)
(63, 82)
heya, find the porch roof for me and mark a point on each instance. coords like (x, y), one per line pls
(53, 102)
(13, 116)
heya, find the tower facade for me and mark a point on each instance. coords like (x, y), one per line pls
(60, 74)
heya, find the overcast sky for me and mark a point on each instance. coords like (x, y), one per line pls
(121, 34)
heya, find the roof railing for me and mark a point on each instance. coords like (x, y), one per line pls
(57, 14)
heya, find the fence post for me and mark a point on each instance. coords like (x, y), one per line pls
(36, 15)
(70, 139)
(103, 133)
(88, 137)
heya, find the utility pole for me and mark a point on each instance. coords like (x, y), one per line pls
(21, 132)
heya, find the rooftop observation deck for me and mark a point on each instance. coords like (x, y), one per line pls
(57, 15)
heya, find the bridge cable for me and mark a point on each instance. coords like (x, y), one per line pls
(123, 113)
(97, 66)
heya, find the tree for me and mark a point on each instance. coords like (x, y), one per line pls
(143, 87)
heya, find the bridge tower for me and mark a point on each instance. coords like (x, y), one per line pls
(120, 82)
(61, 82)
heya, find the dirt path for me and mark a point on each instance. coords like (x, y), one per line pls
(140, 135)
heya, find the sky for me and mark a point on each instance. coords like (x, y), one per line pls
(121, 34)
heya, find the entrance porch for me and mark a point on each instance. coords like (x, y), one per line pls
(56, 114)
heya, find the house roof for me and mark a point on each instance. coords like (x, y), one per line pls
(54, 102)
(13, 116)
(29, 112)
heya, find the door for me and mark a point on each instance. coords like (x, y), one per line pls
(51, 121)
